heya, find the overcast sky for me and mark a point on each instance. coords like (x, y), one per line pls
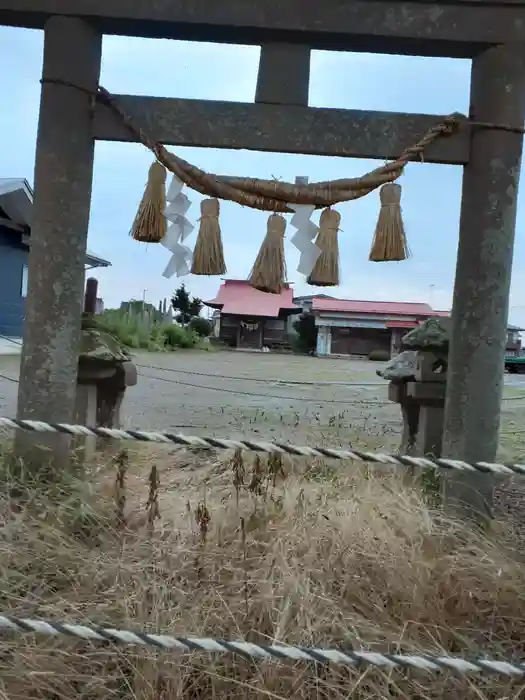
(431, 193)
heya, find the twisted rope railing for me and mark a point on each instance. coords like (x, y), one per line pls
(276, 652)
(392, 460)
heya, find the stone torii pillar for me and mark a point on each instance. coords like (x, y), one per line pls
(483, 273)
(62, 197)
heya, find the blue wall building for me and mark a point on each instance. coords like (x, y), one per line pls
(16, 203)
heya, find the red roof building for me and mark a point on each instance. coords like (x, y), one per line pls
(359, 327)
(379, 308)
(248, 318)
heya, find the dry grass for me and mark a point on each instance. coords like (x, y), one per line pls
(310, 554)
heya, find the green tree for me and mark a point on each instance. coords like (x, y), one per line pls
(196, 306)
(185, 306)
(201, 326)
(307, 331)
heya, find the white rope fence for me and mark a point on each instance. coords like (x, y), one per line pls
(265, 447)
(276, 652)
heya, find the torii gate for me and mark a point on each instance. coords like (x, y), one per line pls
(490, 32)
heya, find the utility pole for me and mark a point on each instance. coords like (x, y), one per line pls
(431, 288)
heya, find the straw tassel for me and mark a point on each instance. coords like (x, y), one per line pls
(150, 223)
(269, 270)
(208, 255)
(325, 272)
(390, 241)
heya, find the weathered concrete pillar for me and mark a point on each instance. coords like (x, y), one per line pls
(284, 74)
(63, 178)
(481, 291)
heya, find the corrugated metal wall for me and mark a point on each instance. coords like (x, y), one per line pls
(13, 257)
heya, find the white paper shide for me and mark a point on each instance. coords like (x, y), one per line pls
(304, 236)
(179, 229)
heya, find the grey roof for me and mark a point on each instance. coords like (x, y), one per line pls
(310, 297)
(94, 261)
(16, 199)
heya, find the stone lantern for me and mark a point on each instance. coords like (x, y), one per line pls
(417, 379)
(105, 371)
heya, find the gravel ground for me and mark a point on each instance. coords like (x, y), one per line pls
(236, 393)
(284, 397)
(279, 396)
(303, 399)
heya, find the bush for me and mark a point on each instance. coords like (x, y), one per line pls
(132, 333)
(298, 344)
(125, 328)
(306, 330)
(379, 356)
(179, 337)
(201, 326)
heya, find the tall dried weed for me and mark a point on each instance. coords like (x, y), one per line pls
(287, 555)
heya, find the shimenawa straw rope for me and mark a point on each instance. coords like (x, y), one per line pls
(272, 195)
(269, 269)
(208, 254)
(325, 272)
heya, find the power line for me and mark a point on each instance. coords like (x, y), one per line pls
(271, 396)
(247, 393)
(250, 379)
(9, 379)
(11, 340)
(257, 379)
(265, 396)
(262, 379)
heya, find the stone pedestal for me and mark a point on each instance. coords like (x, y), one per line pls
(421, 395)
(110, 394)
(85, 414)
(397, 392)
(430, 399)
(104, 373)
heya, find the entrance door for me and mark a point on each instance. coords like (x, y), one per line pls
(250, 334)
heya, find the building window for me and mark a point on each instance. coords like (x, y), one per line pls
(24, 281)
(275, 324)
